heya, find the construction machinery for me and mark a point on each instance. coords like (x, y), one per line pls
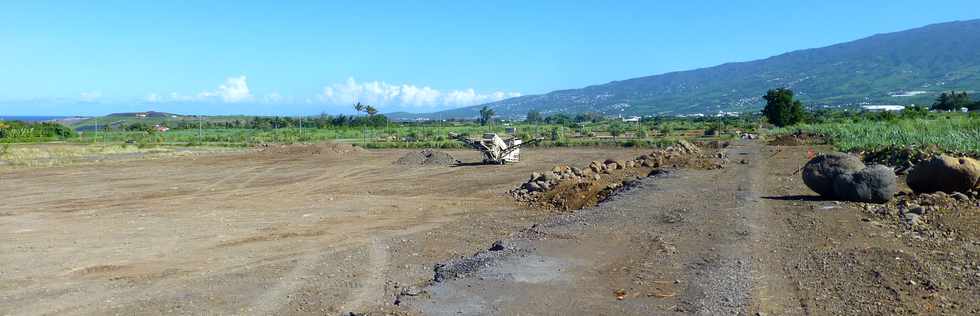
(496, 150)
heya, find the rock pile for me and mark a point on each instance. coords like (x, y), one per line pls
(844, 177)
(945, 174)
(568, 187)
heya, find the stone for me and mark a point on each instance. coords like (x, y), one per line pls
(874, 184)
(412, 291)
(820, 172)
(959, 196)
(497, 246)
(612, 166)
(917, 210)
(595, 168)
(913, 219)
(577, 171)
(532, 187)
(945, 174)
(545, 186)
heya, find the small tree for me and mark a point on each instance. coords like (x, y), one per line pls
(943, 103)
(555, 134)
(781, 109)
(915, 111)
(486, 114)
(615, 129)
(533, 116)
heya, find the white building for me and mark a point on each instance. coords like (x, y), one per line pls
(632, 119)
(880, 108)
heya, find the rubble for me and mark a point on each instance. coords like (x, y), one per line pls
(569, 187)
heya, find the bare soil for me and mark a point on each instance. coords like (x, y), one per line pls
(746, 239)
(295, 232)
(276, 230)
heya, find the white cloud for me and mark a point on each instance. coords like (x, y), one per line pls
(379, 93)
(234, 90)
(90, 96)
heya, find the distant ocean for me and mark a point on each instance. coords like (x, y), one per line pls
(33, 118)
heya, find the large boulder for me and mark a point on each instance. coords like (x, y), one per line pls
(946, 174)
(874, 184)
(819, 173)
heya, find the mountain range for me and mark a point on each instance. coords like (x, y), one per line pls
(906, 67)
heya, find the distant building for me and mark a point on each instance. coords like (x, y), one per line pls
(882, 108)
(160, 128)
(632, 119)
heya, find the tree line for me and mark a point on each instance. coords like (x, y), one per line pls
(953, 101)
(782, 109)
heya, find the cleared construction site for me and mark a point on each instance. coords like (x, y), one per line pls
(709, 228)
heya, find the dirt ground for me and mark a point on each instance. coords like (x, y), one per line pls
(278, 231)
(305, 231)
(749, 239)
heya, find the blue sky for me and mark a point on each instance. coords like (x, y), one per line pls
(308, 57)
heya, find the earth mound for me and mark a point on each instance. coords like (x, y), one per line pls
(427, 157)
(331, 149)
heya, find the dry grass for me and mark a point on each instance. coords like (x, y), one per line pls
(49, 155)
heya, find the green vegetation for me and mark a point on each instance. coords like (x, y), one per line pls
(953, 102)
(949, 132)
(486, 115)
(23, 132)
(781, 109)
(375, 131)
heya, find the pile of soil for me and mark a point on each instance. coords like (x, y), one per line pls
(798, 139)
(427, 157)
(329, 149)
(569, 188)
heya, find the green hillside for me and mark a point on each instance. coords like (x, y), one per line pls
(905, 67)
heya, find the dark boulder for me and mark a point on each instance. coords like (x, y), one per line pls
(819, 173)
(874, 184)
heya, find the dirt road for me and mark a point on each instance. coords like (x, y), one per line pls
(749, 239)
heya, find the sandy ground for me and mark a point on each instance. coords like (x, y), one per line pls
(277, 232)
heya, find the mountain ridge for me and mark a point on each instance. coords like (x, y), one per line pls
(903, 67)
